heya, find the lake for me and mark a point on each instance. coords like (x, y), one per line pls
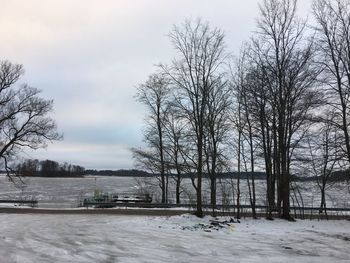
(67, 192)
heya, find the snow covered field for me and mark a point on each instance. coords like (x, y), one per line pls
(101, 238)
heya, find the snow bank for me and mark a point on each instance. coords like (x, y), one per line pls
(101, 238)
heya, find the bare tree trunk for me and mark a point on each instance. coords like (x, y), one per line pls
(213, 194)
(253, 201)
(178, 184)
(161, 153)
(239, 174)
(199, 211)
(249, 129)
(323, 199)
(252, 170)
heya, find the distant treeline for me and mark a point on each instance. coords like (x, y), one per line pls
(48, 168)
(126, 173)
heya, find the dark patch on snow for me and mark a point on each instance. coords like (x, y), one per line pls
(214, 225)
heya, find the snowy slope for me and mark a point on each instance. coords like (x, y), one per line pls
(101, 238)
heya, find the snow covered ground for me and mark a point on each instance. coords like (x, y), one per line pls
(101, 238)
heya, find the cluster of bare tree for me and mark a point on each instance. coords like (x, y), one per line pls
(188, 104)
(24, 116)
(282, 106)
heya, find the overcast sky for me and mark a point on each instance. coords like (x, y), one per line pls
(89, 56)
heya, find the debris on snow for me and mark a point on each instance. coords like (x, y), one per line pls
(212, 225)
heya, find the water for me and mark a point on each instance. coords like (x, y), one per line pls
(67, 192)
(63, 192)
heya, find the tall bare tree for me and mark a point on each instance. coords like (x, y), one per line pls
(238, 85)
(245, 85)
(154, 94)
(24, 116)
(201, 53)
(333, 42)
(324, 154)
(286, 56)
(216, 133)
(238, 121)
(174, 140)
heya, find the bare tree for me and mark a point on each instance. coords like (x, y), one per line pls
(174, 139)
(244, 85)
(216, 133)
(238, 120)
(333, 42)
(323, 154)
(288, 62)
(24, 116)
(239, 127)
(154, 94)
(195, 71)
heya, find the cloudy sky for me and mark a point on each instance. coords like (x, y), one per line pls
(89, 56)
